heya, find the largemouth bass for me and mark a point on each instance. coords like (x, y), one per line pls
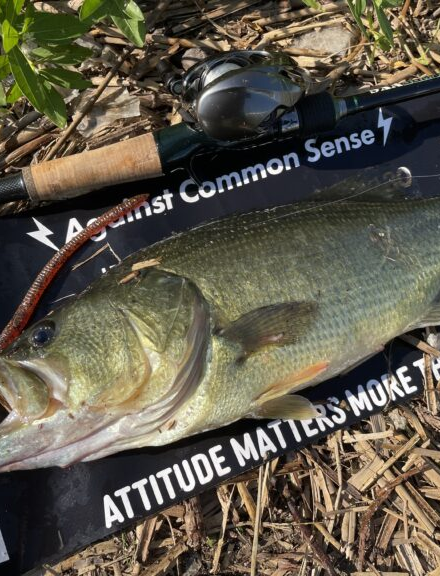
(219, 323)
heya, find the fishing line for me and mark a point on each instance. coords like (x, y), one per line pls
(318, 204)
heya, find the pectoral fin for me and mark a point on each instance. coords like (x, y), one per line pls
(274, 325)
(287, 408)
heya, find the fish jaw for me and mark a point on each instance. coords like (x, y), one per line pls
(40, 430)
(32, 426)
(23, 391)
(59, 440)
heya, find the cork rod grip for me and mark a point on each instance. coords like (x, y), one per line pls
(75, 175)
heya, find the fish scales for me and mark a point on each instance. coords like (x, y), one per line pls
(236, 314)
(367, 286)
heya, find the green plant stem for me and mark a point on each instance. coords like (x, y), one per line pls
(73, 125)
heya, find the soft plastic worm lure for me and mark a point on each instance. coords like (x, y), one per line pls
(27, 307)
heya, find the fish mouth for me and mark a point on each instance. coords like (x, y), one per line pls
(24, 392)
(39, 430)
(66, 435)
(49, 374)
(8, 395)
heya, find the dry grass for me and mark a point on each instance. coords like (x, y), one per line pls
(362, 501)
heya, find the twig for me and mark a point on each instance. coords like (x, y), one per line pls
(338, 6)
(257, 523)
(174, 542)
(418, 9)
(430, 391)
(225, 503)
(26, 149)
(15, 127)
(208, 43)
(193, 519)
(154, 16)
(51, 570)
(247, 500)
(421, 67)
(405, 9)
(423, 346)
(400, 76)
(333, 76)
(106, 246)
(308, 537)
(290, 31)
(166, 562)
(214, 24)
(73, 125)
(381, 496)
(51, 269)
(25, 135)
(146, 532)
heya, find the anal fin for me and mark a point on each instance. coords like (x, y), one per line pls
(430, 318)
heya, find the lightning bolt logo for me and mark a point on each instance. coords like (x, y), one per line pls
(384, 123)
(42, 234)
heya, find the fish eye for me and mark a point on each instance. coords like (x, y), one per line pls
(42, 334)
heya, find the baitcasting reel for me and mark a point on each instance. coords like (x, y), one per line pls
(240, 96)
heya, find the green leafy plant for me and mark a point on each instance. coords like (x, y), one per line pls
(125, 14)
(369, 10)
(359, 8)
(40, 49)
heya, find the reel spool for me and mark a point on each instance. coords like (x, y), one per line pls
(239, 96)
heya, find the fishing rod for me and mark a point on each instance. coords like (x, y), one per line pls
(235, 99)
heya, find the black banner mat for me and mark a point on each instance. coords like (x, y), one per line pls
(47, 514)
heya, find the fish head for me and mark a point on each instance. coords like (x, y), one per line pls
(121, 356)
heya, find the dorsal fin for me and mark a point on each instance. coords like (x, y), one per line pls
(372, 184)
